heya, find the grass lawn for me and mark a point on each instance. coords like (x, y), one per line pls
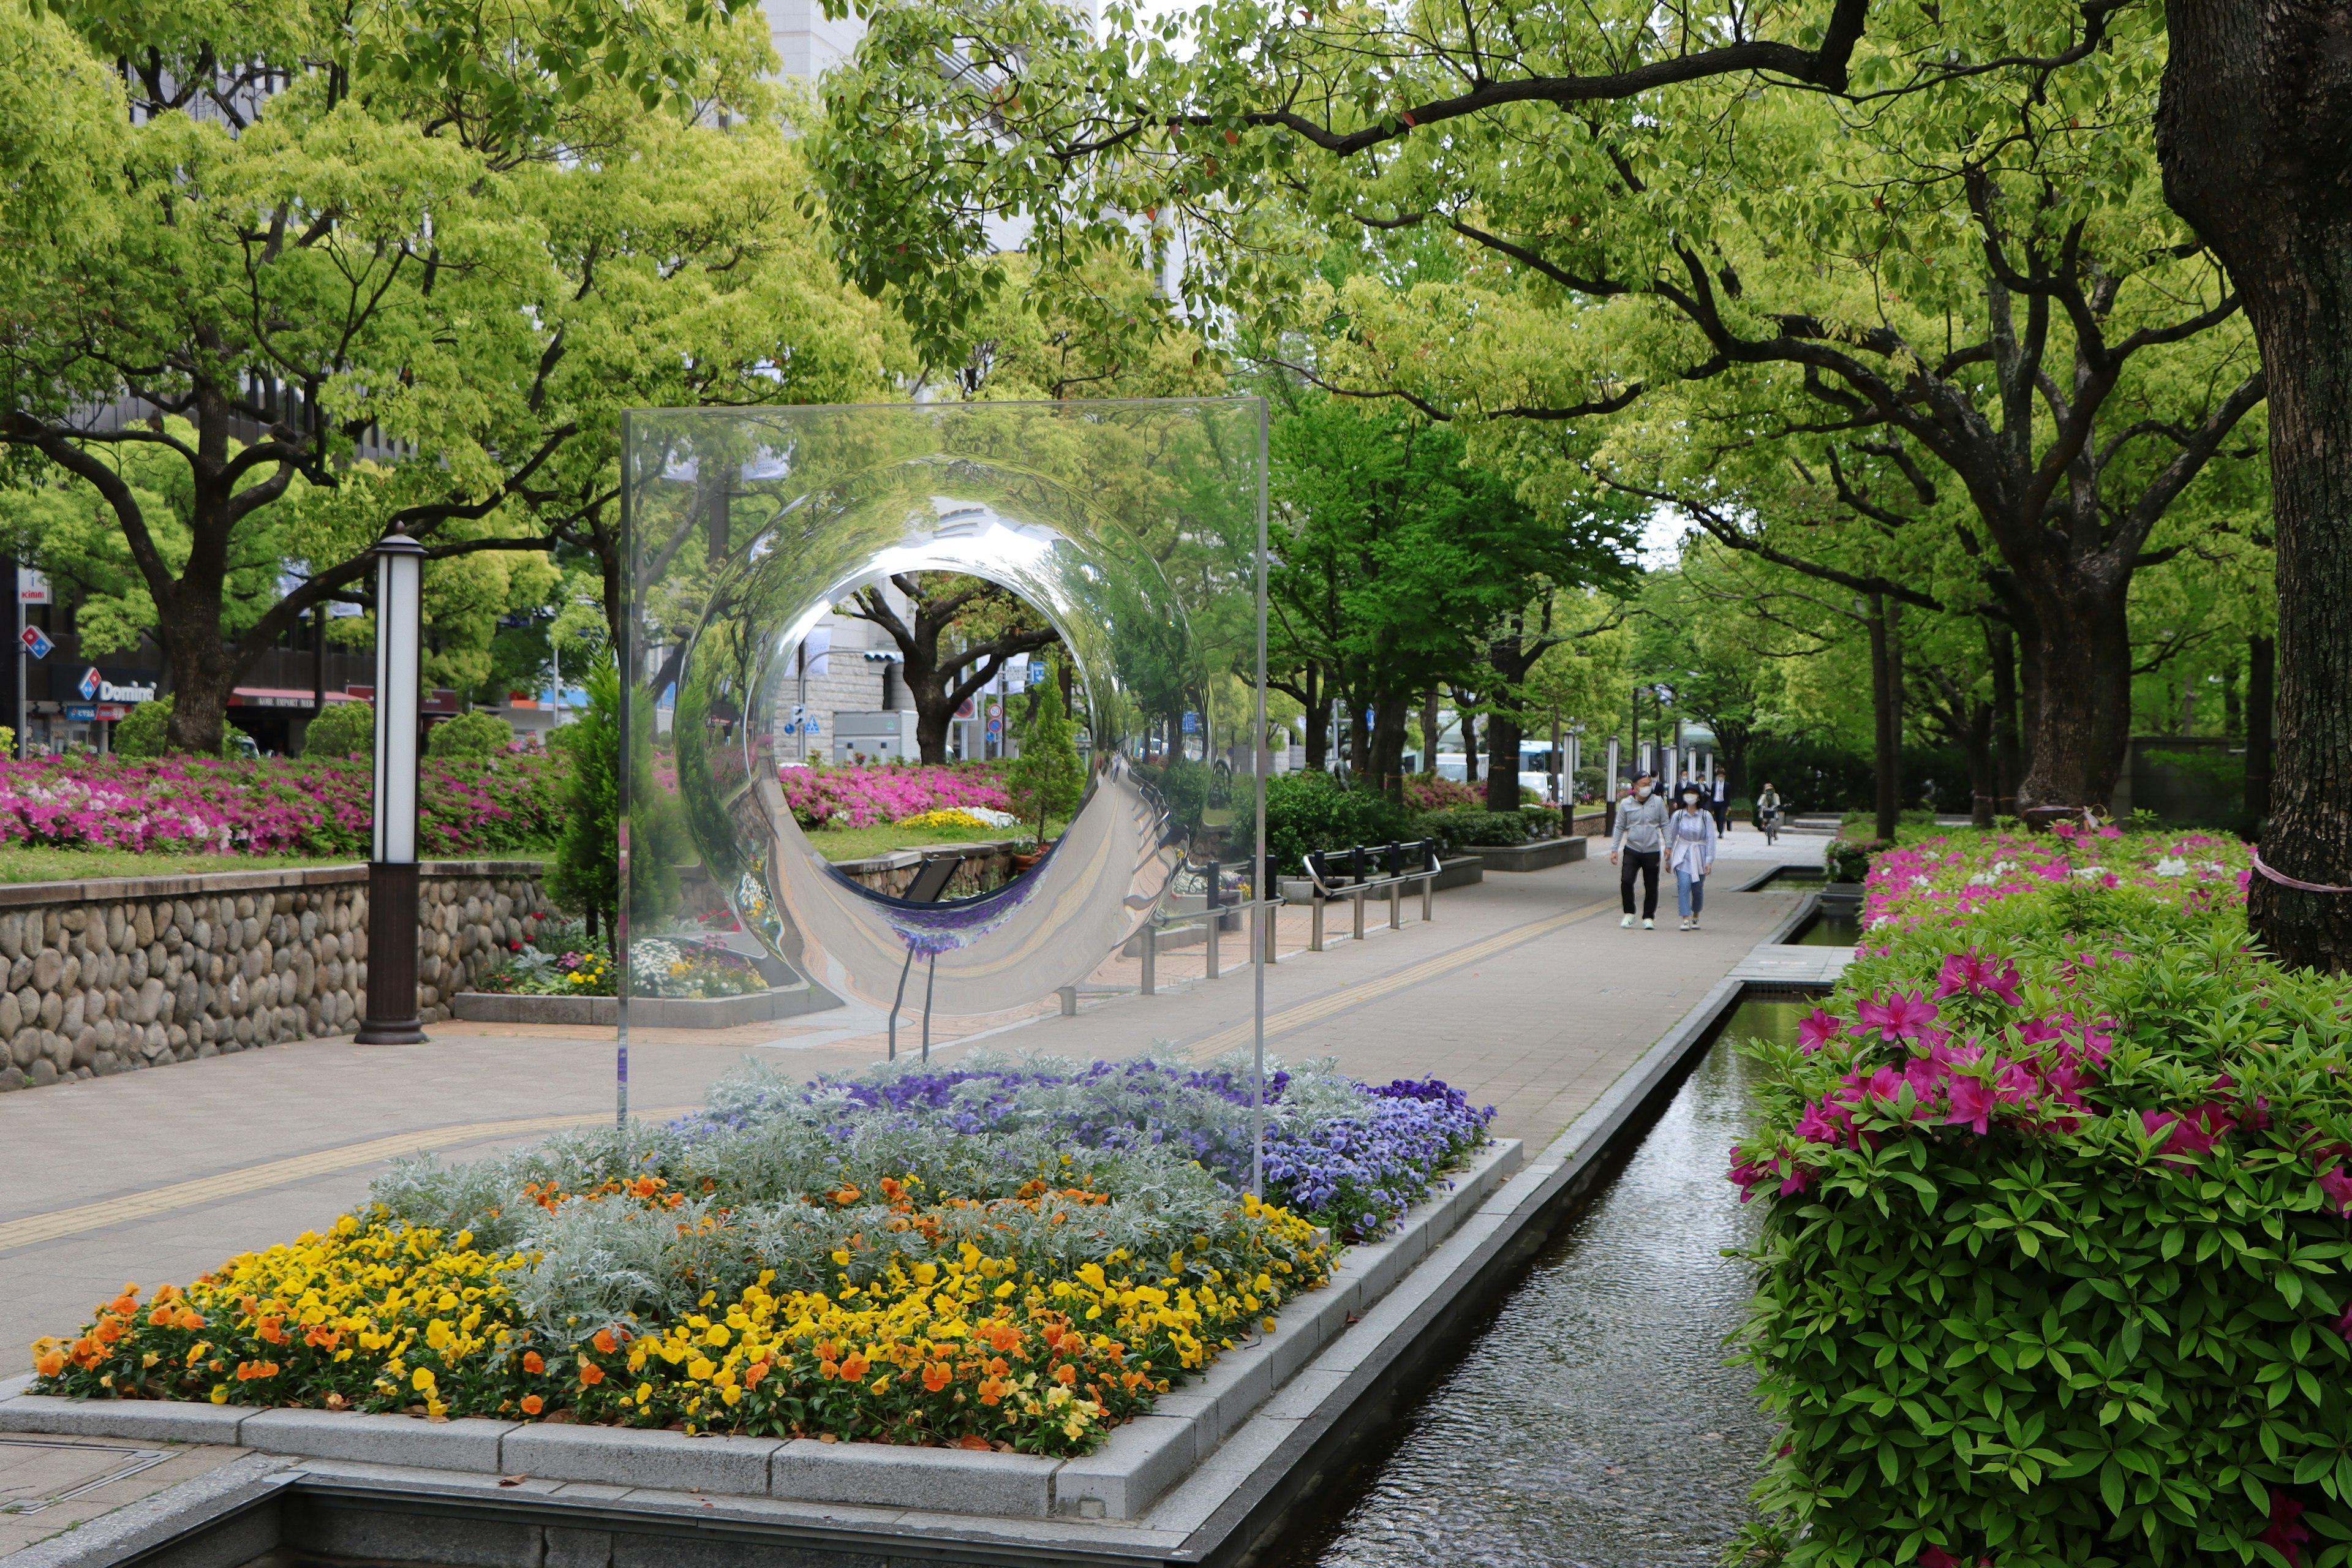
(27, 863)
(859, 843)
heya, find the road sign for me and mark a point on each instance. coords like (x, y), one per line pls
(1191, 723)
(36, 642)
(89, 683)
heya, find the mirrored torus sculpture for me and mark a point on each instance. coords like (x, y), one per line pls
(1132, 532)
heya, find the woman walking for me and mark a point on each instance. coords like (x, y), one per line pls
(1768, 814)
(1690, 841)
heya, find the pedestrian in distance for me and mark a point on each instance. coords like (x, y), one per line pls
(1768, 814)
(1690, 854)
(1722, 802)
(1641, 836)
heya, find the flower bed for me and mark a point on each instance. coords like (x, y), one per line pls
(1017, 1254)
(2056, 1264)
(890, 792)
(466, 806)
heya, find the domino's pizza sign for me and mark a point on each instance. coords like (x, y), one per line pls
(96, 686)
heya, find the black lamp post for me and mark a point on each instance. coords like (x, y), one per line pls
(392, 1017)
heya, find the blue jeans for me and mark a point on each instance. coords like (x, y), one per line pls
(1690, 893)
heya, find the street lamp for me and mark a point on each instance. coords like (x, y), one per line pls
(391, 1017)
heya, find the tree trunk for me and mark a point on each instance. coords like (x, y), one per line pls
(1384, 753)
(2233, 714)
(2250, 130)
(1503, 736)
(2082, 721)
(1469, 739)
(1318, 722)
(1983, 773)
(2260, 701)
(1429, 732)
(1359, 738)
(1886, 715)
(2008, 763)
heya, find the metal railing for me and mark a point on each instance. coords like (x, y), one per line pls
(1357, 873)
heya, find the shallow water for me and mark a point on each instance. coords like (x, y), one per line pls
(1831, 931)
(1593, 1424)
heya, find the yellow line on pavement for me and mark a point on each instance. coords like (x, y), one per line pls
(1341, 1001)
(40, 1227)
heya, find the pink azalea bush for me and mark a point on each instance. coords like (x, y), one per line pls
(866, 795)
(466, 805)
(2057, 1262)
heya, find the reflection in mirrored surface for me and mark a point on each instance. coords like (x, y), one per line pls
(1133, 529)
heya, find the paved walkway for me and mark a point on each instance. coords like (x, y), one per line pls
(1523, 993)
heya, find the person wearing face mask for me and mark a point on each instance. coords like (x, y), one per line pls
(1640, 830)
(1690, 853)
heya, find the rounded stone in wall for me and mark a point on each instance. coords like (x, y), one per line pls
(44, 1073)
(26, 1047)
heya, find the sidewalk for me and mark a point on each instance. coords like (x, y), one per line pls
(1523, 993)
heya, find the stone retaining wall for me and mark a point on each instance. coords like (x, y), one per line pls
(987, 865)
(115, 975)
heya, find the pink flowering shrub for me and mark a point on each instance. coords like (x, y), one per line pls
(465, 805)
(2057, 1266)
(889, 792)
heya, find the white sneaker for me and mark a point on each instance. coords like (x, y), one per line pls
(1627, 922)
(1649, 925)
(1687, 923)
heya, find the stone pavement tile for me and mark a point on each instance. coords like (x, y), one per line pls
(21, 1529)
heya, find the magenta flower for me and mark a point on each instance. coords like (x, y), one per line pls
(1973, 1103)
(1937, 1557)
(1817, 1029)
(2287, 1532)
(1905, 1016)
(1826, 1121)
(2338, 1188)
(1977, 975)
(2192, 1134)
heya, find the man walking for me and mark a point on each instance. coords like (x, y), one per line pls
(1641, 834)
(1721, 807)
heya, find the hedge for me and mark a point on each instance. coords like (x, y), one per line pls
(2056, 1266)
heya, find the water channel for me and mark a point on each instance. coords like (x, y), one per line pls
(1593, 1423)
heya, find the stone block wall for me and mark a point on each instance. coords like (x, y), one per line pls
(121, 975)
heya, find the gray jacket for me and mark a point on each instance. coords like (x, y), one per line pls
(1641, 824)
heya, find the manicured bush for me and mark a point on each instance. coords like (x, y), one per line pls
(142, 735)
(1307, 811)
(2057, 1264)
(1427, 792)
(475, 735)
(1502, 828)
(344, 730)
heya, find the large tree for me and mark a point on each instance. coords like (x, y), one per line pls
(954, 635)
(352, 297)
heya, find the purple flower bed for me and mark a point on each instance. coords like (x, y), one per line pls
(466, 805)
(1346, 1154)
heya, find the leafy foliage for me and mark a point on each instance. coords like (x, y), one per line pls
(1307, 810)
(344, 730)
(1047, 779)
(469, 734)
(2058, 1265)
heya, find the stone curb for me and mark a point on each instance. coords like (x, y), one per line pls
(1142, 1461)
(130, 1532)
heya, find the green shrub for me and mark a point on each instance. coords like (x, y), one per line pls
(1047, 779)
(585, 878)
(1184, 786)
(1542, 821)
(2057, 1263)
(1848, 860)
(1307, 810)
(141, 734)
(344, 730)
(1457, 828)
(475, 735)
